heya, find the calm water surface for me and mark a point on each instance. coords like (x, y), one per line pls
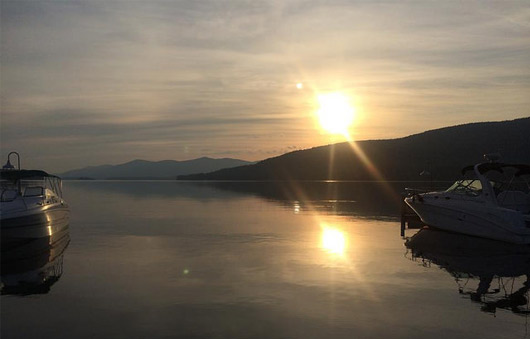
(257, 260)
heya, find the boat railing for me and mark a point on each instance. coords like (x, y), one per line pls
(409, 191)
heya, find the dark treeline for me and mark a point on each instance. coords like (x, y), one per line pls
(442, 152)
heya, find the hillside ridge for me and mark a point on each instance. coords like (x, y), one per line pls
(442, 152)
(144, 169)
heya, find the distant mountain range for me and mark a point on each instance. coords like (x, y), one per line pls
(441, 152)
(142, 169)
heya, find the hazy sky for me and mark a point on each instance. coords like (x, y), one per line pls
(94, 82)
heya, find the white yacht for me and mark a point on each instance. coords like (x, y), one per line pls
(31, 204)
(491, 201)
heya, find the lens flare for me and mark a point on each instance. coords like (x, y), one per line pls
(335, 113)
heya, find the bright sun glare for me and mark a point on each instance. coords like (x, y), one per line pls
(333, 240)
(335, 113)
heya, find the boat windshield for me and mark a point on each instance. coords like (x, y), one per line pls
(471, 187)
(29, 183)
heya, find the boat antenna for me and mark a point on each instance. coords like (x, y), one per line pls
(8, 165)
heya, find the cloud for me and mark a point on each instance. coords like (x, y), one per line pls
(92, 78)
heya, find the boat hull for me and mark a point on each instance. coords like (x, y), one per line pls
(492, 223)
(35, 224)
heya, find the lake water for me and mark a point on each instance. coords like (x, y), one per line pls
(167, 259)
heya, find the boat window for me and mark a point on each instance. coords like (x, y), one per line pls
(467, 186)
(513, 185)
(509, 180)
(33, 191)
(8, 195)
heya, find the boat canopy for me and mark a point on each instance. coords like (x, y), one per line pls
(497, 180)
(496, 166)
(14, 175)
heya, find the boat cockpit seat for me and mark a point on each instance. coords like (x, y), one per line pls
(515, 200)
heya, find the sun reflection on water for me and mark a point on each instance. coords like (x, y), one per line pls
(296, 207)
(333, 240)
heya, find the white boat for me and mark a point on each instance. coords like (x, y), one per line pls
(31, 205)
(491, 201)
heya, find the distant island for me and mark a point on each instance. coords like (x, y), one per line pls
(441, 153)
(143, 169)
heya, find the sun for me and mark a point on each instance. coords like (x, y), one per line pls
(335, 113)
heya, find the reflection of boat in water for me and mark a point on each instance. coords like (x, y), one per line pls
(495, 274)
(492, 201)
(31, 204)
(33, 266)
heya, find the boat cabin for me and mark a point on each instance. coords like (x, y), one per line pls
(30, 185)
(506, 185)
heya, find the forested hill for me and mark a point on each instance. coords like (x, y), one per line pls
(443, 152)
(142, 169)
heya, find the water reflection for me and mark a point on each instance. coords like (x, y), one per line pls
(32, 266)
(296, 207)
(494, 274)
(212, 263)
(333, 240)
(366, 199)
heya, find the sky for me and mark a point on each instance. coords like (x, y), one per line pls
(105, 82)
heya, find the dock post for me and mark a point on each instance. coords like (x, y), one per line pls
(403, 216)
